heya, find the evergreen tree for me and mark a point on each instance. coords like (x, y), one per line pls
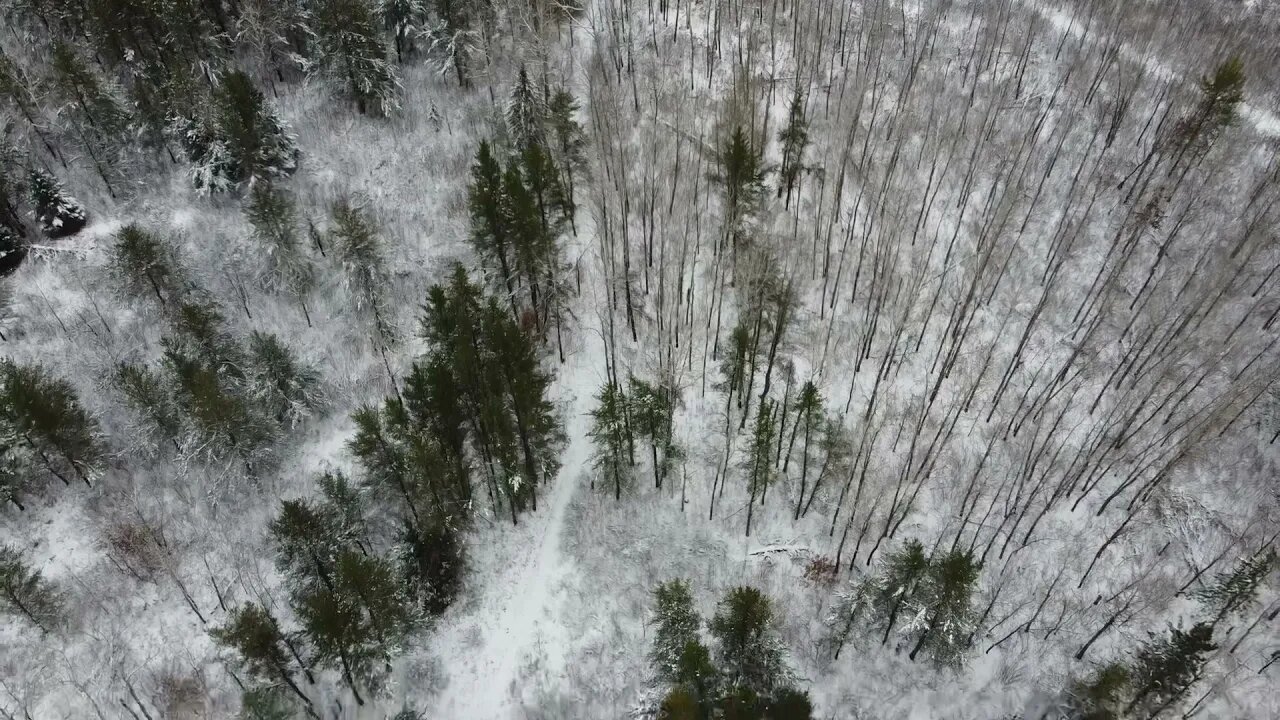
(680, 704)
(531, 246)
(1101, 696)
(748, 651)
(278, 382)
(386, 458)
(358, 621)
(652, 410)
(789, 704)
(276, 35)
(150, 397)
(490, 234)
(351, 56)
(1237, 590)
(23, 591)
(255, 637)
(849, 607)
(356, 239)
(59, 214)
(899, 583)
(267, 703)
(274, 220)
(42, 413)
(808, 412)
(13, 478)
(11, 225)
(610, 434)
(145, 265)
(759, 460)
(247, 142)
(433, 564)
(567, 142)
(677, 623)
(525, 112)
(1166, 669)
(794, 138)
(13, 250)
(740, 171)
(453, 35)
(307, 540)
(401, 18)
(18, 91)
(945, 601)
(97, 117)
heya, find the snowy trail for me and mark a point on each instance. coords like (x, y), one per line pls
(520, 633)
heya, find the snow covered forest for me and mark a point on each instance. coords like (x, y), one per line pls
(667, 360)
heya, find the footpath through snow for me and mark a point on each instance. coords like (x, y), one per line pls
(516, 633)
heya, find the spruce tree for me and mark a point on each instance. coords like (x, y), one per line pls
(43, 413)
(24, 592)
(13, 250)
(255, 637)
(350, 55)
(58, 213)
(748, 650)
(1166, 669)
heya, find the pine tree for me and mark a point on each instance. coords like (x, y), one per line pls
(401, 18)
(271, 213)
(946, 600)
(568, 146)
(531, 245)
(1237, 590)
(18, 90)
(748, 650)
(1101, 696)
(385, 456)
(677, 623)
(151, 398)
(740, 171)
(13, 250)
(851, 603)
(433, 563)
(23, 591)
(652, 410)
(59, 214)
(276, 35)
(267, 703)
(255, 637)
(145, 265)
(43, 413)
(351, 56)
(1166, 669)
(278, 382)
(525, 113)
(794, 138)
(358, 622)
(245, 142)
(13, 478)
(808, 411)
(490, 234)
(356, 239)
(899, 583)
(759, 460)
(453, 36)
(789, 704)
(97, 117)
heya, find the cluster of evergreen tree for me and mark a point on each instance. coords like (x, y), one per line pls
(25, 592)
(641, 409)
(56, 212)
(747, 676)
(928, 599)
(44, 432)
(1159, 677)
(212, 394)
